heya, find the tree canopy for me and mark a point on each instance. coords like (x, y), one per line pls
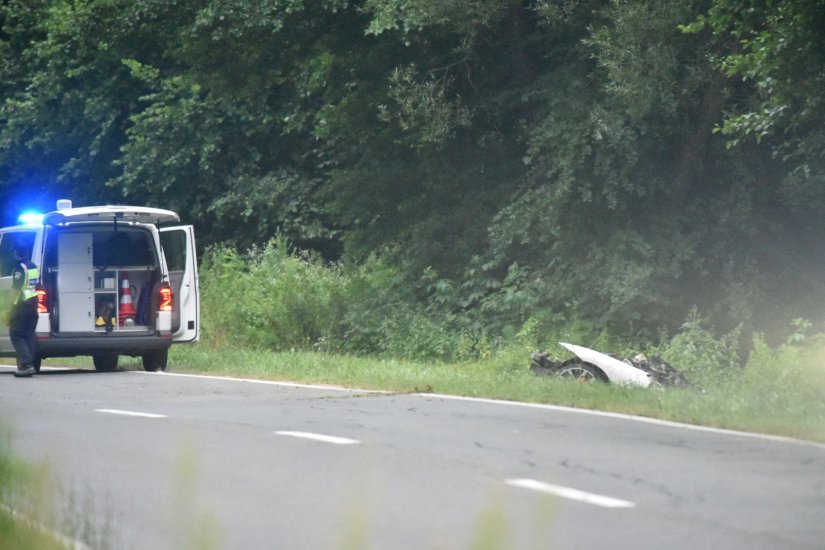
(621, 163)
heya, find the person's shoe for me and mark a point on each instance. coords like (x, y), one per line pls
(25, 371)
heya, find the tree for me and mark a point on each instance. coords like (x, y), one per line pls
(234, 125)
(515, 158)
(633, 211)
(67, 95)
(772, 52)
(774, 47)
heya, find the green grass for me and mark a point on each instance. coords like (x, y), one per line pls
(780, 391)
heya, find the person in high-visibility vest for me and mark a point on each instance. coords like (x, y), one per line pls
(23, 320)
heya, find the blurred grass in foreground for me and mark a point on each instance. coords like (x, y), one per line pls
(22, 502)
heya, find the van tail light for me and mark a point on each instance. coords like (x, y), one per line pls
(42, 301)
(165, 298)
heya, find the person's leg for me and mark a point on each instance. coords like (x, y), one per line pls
(22, 336)
(31, 327)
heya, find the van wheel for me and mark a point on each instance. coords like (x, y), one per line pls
(156, 360)
(105, 363)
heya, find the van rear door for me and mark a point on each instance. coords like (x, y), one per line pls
(178, 246)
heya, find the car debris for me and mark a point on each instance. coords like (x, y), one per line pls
(589, 365)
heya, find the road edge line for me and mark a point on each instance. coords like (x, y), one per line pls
(543, 406)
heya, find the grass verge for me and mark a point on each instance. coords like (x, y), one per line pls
(780, 391)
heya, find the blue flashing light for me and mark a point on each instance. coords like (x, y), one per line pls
(29, 218)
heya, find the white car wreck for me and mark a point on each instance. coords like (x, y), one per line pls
(591, 366)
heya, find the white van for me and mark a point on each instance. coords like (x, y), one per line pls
(111, 283)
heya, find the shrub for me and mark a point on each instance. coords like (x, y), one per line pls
(267, 297)
(702, 356)
(271, 298)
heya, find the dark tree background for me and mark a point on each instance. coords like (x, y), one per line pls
(619, 163)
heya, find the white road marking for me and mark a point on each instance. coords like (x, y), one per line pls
(131, 413)
(320, 437)
(257, 381)
(570, 493)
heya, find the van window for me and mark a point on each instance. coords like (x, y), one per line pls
(123, 247)
(174, 248)
(8, 241)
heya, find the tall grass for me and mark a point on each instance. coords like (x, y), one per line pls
(271, 298)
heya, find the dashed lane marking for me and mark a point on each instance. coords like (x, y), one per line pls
(131, 413)
(570, 493)
(320, 437)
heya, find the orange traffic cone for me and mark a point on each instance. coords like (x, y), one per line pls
(127, 313)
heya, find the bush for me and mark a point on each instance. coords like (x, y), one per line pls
(267, 298)
(789, 380)
(703, 357)
(278, 300)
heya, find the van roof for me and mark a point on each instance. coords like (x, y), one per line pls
(139, 214)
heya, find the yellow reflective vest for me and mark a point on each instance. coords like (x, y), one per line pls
(30, 276)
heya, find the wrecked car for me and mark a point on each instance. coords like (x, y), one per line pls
(589, 365)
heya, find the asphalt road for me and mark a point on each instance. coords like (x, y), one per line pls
(156, 461)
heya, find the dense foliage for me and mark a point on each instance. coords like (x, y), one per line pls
(615, 164)
(273, 299)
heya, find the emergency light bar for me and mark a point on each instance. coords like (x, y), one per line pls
(29, 218)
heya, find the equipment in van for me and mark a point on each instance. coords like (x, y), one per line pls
(127, 313)
(105, 316)
(114, 280)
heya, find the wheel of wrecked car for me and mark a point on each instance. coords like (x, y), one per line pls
(105, 362)
(581, 373)
(156, 360)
